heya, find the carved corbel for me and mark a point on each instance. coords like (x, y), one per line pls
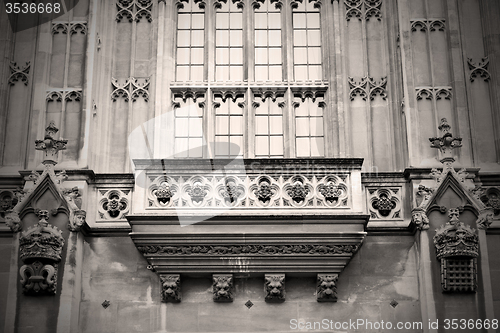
(484, 219)
(326, 287)
(274, 287)
(170, 288)
(13, 221)
(222, 287)
(420, 219)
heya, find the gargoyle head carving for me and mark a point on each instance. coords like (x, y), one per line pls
(223, 287)
(171, 288)
(275, 287)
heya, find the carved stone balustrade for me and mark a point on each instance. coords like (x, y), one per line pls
(248, 216)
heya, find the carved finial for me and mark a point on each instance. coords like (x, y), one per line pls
(50, 145)
(446, 143)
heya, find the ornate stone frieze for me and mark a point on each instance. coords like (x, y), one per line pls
(73, 27)
(49, 145)
(363, 9)
(326, 287)
(40, 249)
(59, 27)
(427, 25)
(479, 70)
(367, 87)
(162, 191)
(222, 287)
(130, 89)
(274, 287)
(19, 73)
(114, 204)
(170, 288)
(297, 191)
(265, 190)
(134, 10)
(67, 95)
(231, 191)
(385, 203)
(332, 191)
(198, 190)
(250, 249)
(435, 93)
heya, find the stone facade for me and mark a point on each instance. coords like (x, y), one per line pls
(249, 165)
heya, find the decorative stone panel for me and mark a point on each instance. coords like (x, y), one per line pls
(223, 287)
(384, 203)
(274, 288)
(326, 287)
(113, 205)
(170, 288)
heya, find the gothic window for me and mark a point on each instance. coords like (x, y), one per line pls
(268, 59)
(309, 134)
(190, 42)
(228, 125)
(188, 127)
(306, 42)
(269, 126)
(229, 42)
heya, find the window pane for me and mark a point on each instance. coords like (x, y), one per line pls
(276, 124)
(314, 55)
(237, 145)
(222, 125)
(276, 145)
(195, 127)
(182, 73)
(314, 72)
(313, 20)
(261, 37)
(222, 73)
(261, 145)
(275, 56)
(275, 73)
(302, 147)
(197, 55)
(222, 38)
(236, 21)
(274, 38)
(197, 73)
(181, 126)
(301, 110)
(236, 56)
(198, 37)
(300, 55)
(222, 56)
(260, 21)
(234, 108)
(317, 126)
(315, 110)
(275, 109)
(302, 126)
(236, 125)
(223, 107)
(222, 145)
(299, 20)
(260, 56)
(313, 38)
(184, 21)
(300, 73)
(236, 73)
(274, 21)
(236, 38)
(198, 21)
(222, 20)
(195, 147)
(183, 56)
(261, 125)
(317, 147)
(261, 73)
(183, 38)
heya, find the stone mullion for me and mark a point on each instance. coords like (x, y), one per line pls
(329, 116)
(159, 99)
(427, 302)
(336, 108)
(289, 111)
(131, 104)
(167, 65)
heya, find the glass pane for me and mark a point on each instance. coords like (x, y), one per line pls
(275, 73)
(300, 6)
(182, 111)
(302, 126)
(197, 55)
(222, 73)
(195, 127)
(223, 107)
(197, 73)
(260, 56)
(274, 38)
(275, 56)
(237, 145)
(274, 21)
(302, 147)
(261, 73)
(181, 147)
(183, 56)
(222, 38)
(182, 73)
(314, 72)
(197, 36)
(234, 108)
(222, 125)
(276, 145)
(183, 38)
(181, 127)
(275, 109)
(236, 38)
(236, 21)
(301, 110)
(261, 37)
(260, 21)
(261, 125)
(184, 21)
(236, 125)
(316, 126)
(313, 20)
(299, 38)
(261, 145)
(198, 21)
(222, 20)
(220, 148)
(315, 110)
(276, 124)
(222, 56)
(195, 147)
(236, 73)
(300, 55)
(314, 55)
(317, 147)
(299, 20)
(236, 56)
(300, 73)
(313, 38)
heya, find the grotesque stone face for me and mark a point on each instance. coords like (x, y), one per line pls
(275, 287)
(171, 288)
(327, 288)
(223, 288)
